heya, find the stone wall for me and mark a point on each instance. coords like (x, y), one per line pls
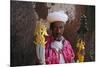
(23, 20)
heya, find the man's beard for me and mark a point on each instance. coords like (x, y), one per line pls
(58, 36)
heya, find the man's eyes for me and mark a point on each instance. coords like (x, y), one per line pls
(58, 27)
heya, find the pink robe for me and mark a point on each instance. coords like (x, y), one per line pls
(53, 57)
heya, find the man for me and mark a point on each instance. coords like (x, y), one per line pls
(58, 50)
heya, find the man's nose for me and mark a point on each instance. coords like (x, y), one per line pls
(58, 30)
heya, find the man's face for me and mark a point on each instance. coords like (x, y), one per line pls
(57, 29)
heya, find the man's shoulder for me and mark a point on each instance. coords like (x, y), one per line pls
(48, 38)
(48, 41)
(67, 43)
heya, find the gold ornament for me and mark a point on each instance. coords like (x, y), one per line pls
(80, 53)
(40, 33)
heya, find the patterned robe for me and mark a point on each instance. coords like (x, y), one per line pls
(54, 56)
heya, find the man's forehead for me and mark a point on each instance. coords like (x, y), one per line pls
(58, 23)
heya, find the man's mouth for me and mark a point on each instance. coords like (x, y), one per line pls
(58, 36)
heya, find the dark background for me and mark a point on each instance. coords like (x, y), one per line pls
(23, 19)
